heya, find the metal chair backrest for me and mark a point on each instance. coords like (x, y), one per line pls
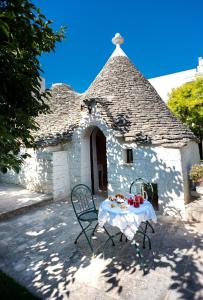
(82, 199)
(143, 187)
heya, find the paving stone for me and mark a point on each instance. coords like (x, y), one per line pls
(21, 247)
(20, 266)
(180, 293)
(3, 248)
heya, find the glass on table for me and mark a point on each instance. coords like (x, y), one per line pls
(129, 195)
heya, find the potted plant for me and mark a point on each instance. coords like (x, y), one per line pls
(196, 175)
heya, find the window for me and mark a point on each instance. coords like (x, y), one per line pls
(129, 156)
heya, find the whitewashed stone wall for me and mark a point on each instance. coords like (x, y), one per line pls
(45, 172)
(73, 150)
(35, 174)
(61, 176)
(156, 164)
(168, 167)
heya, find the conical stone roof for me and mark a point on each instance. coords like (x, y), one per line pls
(64, 116)
(130, 104)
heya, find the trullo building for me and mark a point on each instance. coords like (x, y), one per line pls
(118, 130)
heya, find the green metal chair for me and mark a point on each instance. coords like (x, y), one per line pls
(143, 187)
(86, 212)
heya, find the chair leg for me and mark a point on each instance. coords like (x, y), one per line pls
(94, 229)
(138, 254)
(110, 237)
(89, 242)
(144, 239)
(145, 235)
(121, 238)
(137, 249)
(76, 240)
(83, 231)
(148, 224)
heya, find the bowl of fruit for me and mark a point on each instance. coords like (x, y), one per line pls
(120, 198)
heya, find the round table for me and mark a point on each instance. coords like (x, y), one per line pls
(127, 220)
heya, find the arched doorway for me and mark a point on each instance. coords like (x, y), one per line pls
(94, 160)
(98, 161)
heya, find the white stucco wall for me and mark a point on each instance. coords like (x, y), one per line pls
(35, 174)
(61, 176)
(46, 172)
(73, 150)
(156, 164)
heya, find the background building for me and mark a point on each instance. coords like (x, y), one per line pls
(164, 84)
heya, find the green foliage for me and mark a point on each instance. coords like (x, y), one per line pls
(196, 173)
(25, 34)
(186, 102)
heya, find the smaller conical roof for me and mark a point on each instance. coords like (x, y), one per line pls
(131, 105)
(64, 116)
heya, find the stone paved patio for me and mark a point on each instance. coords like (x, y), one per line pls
(37, 250)
(15, 199)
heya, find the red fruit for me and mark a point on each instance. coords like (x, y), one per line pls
(130, 201)
(136, 204)
(139, 198)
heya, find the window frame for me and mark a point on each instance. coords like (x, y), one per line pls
(129, 156)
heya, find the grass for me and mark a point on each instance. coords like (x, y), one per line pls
(11, 290)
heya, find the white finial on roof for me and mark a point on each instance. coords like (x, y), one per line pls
(118, 40)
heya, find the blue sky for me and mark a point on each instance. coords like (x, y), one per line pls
(161, 37)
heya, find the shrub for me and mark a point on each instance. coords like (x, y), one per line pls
(196, 173)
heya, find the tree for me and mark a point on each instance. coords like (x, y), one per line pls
(25, 34)
(186, 102)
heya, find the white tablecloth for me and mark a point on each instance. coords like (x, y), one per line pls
(127, 220)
